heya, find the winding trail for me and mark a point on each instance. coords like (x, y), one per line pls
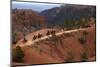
(30, 42)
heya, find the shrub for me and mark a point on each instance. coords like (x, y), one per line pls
(54, 38)
(68, 24)
(40, 51)
(18, 54)
(85, 33)
(84, 56)
(82, 40)
(83, 22)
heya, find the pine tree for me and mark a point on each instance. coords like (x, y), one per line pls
(18, 54)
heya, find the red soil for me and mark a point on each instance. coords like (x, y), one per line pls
(40, 53)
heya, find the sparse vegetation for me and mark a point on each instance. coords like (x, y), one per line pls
(85, 33)
(84, 56)
(56, 40)
(18, 54)
(67, 34)
(68, 24)
(60, 34)
(40, 50)
(14, 38)
(83, 22)
(74, 24)
(35, 46)
(82, 40)
(69, 57)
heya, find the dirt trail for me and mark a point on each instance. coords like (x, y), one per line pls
(30, 42)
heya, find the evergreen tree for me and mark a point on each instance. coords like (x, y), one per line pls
(18, 54)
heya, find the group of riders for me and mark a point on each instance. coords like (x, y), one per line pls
(49, 32)
(40, 35)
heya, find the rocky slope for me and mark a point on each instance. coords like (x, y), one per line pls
(25, 21)
(66, 48)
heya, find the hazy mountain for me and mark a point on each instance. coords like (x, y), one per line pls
(34, 6)
(58, 15)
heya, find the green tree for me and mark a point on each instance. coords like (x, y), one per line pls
(68, 24)
(83, 22)
(17, 54)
